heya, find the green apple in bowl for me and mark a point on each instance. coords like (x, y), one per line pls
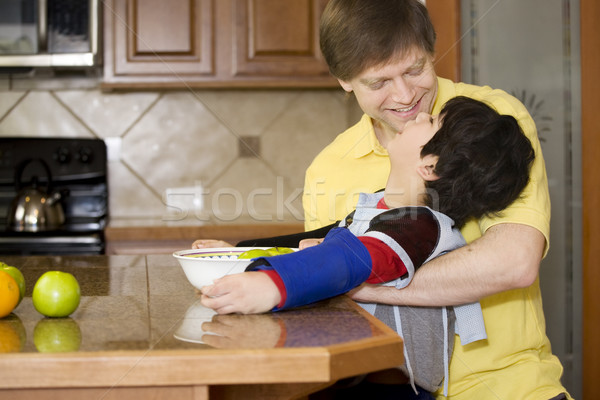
(253, 253)
(273, 251)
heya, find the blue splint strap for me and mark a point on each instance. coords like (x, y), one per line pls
(340, 263)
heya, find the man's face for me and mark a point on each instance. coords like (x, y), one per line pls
(395, 93)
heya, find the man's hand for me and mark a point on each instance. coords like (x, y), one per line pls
(245, 293)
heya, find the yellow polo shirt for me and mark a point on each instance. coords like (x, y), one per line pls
(516, 361)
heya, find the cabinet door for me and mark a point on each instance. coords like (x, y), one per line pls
(278, 39)
(445, 15)
(159, 38)
(233, 43)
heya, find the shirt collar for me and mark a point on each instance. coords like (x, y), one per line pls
(365, 140)
(445, 91)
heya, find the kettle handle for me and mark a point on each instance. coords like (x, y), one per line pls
(25, 163)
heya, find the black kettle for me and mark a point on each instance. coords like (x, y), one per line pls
(35, 208)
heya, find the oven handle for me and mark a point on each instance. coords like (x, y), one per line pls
(91, 239)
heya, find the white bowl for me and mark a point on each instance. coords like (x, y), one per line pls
(203, 266)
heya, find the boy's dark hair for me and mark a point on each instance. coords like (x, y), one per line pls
(483, 161)
(358, 34)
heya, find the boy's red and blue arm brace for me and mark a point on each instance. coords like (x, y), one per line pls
(340, 263)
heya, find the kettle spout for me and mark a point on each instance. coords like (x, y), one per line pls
(53, 198)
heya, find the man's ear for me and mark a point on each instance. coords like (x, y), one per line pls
(345, 85)
(427, 167)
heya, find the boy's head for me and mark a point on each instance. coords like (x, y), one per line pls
(483, 161)
(358, 34)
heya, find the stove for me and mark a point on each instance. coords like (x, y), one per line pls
(76, 169)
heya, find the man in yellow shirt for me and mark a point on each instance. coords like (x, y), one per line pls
(383, 52)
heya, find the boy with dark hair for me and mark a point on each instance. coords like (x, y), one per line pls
(392, 233)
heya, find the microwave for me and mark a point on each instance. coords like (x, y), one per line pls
(49, 33)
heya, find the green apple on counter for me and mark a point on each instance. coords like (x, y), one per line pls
(17, 276)
(273, 251)
(56, 294)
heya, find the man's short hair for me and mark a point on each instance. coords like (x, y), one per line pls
(359, 34)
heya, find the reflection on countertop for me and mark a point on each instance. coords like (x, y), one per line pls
(144, 302)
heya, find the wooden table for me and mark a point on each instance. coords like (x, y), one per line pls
(130, 339)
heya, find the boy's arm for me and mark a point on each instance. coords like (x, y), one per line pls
(386, 265)
(335, 266)
(331, 268)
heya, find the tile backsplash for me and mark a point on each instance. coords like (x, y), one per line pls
(188, 157)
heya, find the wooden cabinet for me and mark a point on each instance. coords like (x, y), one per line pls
(234, 43)
(159, 38)
(210, 43)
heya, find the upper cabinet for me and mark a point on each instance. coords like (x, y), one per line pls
(210, 43)
(234, 43)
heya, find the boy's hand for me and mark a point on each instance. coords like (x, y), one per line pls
(305, 243)
(209, 243)
(245, 293)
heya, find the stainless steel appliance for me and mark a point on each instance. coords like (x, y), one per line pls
(49, 33)
(61, 179)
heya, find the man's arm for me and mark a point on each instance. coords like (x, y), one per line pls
(506, 257)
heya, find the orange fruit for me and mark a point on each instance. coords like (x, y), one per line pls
(17, 276)
(9, 294)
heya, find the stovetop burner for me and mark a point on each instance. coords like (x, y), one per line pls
(76, 168)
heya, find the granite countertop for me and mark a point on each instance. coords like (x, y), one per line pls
(140, 302)
(134, 239)
(142, 306)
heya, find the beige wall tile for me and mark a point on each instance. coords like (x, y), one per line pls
(8, 100)
(294, 139)
(177, 143)
(129, 197)
(251, 192)
(107, 114)
(40, 114)
(247, 113)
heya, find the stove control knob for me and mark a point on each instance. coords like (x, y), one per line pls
(85, 155)
(62, 155)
